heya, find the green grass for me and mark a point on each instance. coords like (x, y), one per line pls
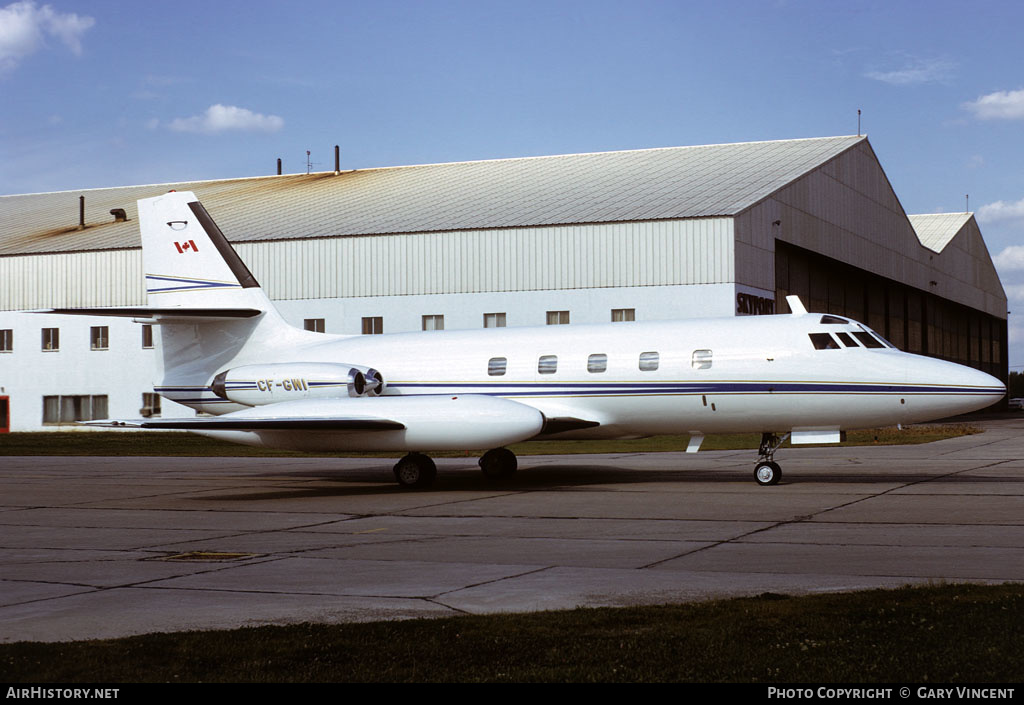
(939, 634)
(149, 443)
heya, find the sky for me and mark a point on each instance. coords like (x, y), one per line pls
(111, 93)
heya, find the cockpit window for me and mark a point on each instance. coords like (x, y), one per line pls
(835, 320)
(868, 340)
(824, 341)
(847, 340)
(879, 338)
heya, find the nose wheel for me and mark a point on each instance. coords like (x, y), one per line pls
(767, 471)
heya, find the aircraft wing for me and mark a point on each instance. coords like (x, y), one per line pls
(228, 423)
(389, 422)
(165, 314)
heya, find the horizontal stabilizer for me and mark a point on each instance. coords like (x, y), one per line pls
(234, 423)
(171, 314)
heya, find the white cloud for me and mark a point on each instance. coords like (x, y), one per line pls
(1010, 259)
(1001, 211)
(917, 71)
(219, 118)
(1001, 105)
(24, 27)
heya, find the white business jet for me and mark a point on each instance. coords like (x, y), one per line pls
(225, 351)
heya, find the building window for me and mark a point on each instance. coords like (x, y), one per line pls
(61, 409)
(494, 320)
(51, 339)
(314, 324)
(496, 366)
(7, 340)
(147, 335)
(598, 362)
(99, 338)
(433, 323)
(649, 361)
(373, 325)
(150, 405)
(547, 364)
(558, 318)
(623, 314)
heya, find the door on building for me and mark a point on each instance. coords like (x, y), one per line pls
(5, 415)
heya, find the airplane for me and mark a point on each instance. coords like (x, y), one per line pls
(226, 352)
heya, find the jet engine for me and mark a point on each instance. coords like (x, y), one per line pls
(257, 385)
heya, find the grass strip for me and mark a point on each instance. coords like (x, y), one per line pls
(935, 634)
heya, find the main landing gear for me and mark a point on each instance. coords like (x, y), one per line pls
(767, 471)
(417, 470)
(498, 463)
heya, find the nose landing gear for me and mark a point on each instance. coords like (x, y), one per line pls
(767, 471)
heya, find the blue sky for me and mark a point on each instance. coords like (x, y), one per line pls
(111, 93)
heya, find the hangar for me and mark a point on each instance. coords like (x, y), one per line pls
(679, 232)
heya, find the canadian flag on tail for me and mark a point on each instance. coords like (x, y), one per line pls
(183, 246)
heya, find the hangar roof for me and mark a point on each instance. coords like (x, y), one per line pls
(937, 229)
(648, 184)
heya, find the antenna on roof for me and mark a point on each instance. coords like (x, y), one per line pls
(858, 122)
(310, 163)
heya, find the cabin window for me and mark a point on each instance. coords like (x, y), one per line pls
(558, 318)
(494, 320)
(433, 322)
(373, 325)
(623, 314)
(147, 335)
(99, 338)
(7, 340)
(598, 362)
(847, 340)
(313, 324)
(496, 366)
(701, 359)
(833, 320)
(867, 339)
(824, 341)
(547, 364)
(51, 339)
(649, 361)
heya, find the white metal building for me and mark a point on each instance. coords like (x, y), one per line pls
(678, 232)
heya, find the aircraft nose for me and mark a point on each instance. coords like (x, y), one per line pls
(948, 389)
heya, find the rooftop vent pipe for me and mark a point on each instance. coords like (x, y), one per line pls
(119, 215)
(81, 212)
(337, 160)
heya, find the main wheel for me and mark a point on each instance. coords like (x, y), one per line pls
(498, 463)
(767, 473)
(415, 470)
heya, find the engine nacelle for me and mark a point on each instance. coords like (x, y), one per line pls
(256, 385)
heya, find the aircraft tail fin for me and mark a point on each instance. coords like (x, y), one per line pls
(187, 260)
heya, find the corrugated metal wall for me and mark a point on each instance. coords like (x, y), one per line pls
(846, 210)
(655, 253)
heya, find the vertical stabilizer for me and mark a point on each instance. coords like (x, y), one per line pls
(188, 261)
(190, 266)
